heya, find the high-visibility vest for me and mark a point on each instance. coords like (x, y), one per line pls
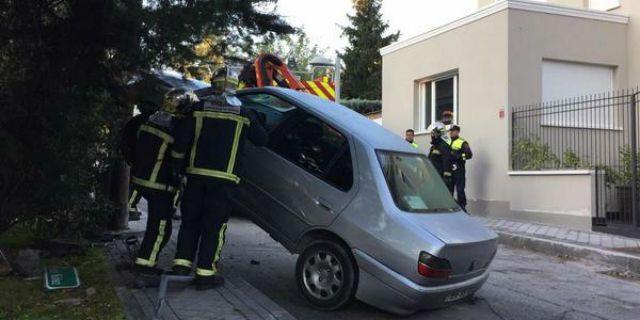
(456, 145)
(415, 145)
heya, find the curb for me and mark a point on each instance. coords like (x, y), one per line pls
(621, 260)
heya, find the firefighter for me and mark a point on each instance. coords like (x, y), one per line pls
(440, 153)
(460, 153)
(128, 149)
(151, 175)
(409, 137)
(207, 149)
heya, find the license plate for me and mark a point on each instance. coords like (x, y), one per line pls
(456, 296)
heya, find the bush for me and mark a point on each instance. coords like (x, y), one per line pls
(362, 106)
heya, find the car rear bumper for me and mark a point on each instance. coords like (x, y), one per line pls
(383, 288)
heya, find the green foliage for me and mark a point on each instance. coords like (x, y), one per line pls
(296, 50)
(533, 154)
(64, 66)
(571, 160)
(362, 76)
(362, 106)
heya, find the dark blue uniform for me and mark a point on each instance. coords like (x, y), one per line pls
(207, 149)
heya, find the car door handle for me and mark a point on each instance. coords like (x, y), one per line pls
(323, 204)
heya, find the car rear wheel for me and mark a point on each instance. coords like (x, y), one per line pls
(326, 275)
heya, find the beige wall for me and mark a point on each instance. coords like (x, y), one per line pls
(536, 36)
(632, 9)
(498, 59)
(479, 52)
(547, 195)
(568, 3)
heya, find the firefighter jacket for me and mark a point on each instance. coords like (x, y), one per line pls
(209, 141)
(460, 152)
(440, 156)
(151, 169)
(130, 137)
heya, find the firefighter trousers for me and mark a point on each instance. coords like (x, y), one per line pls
(158, 232)
(459, 183)
(205, 211)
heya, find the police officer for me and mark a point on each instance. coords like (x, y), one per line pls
(151, 175)
(440, 153)
(409, 136)
(460, 153)
(208, 146)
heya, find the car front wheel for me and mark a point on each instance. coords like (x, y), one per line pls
(326, 275)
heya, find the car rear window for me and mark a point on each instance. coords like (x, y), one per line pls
(415, 184)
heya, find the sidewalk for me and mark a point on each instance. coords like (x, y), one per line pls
(618, 251)
(235, 300)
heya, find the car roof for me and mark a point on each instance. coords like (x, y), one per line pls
(354, 123)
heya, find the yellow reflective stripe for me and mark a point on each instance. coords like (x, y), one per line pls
(221, 115)
(156, 167)
(132, 199)
(435, 151)
(156, 245)
(182, 262)
(176, 198)
(216, 256)
(177, 155)
(447, 173)
(415, 145)
(192, 159)
(234, 148)
(213, 173)
(152, 185)
(163, 135)
(145, 262)
(205, 272)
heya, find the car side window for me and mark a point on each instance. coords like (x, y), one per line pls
(271, 109)
(317, 147)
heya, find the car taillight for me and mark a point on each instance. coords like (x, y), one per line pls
(433, 267)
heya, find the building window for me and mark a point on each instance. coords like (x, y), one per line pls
(438, 101)
(603, 5)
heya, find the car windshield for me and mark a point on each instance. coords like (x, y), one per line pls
(415, 184)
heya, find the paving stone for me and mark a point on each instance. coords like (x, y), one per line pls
(572, 236)
(630, 243)
(532, 229)
(583, 237)
(552, 232)
(607, 242)
(618, 242)
(561, 234)
(542, 230)
(523, 227)
(595, 239)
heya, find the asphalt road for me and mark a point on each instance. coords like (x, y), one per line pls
(523, 285)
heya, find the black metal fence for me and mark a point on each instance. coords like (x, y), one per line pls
(597, 132)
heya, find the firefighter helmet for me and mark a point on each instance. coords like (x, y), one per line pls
(178, 101)
(437, 128)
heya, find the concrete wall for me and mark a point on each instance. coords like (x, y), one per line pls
(478, 51)
(536, 36)
(632, 9)
(541, 195)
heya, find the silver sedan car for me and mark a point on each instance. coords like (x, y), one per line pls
(368, 214)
